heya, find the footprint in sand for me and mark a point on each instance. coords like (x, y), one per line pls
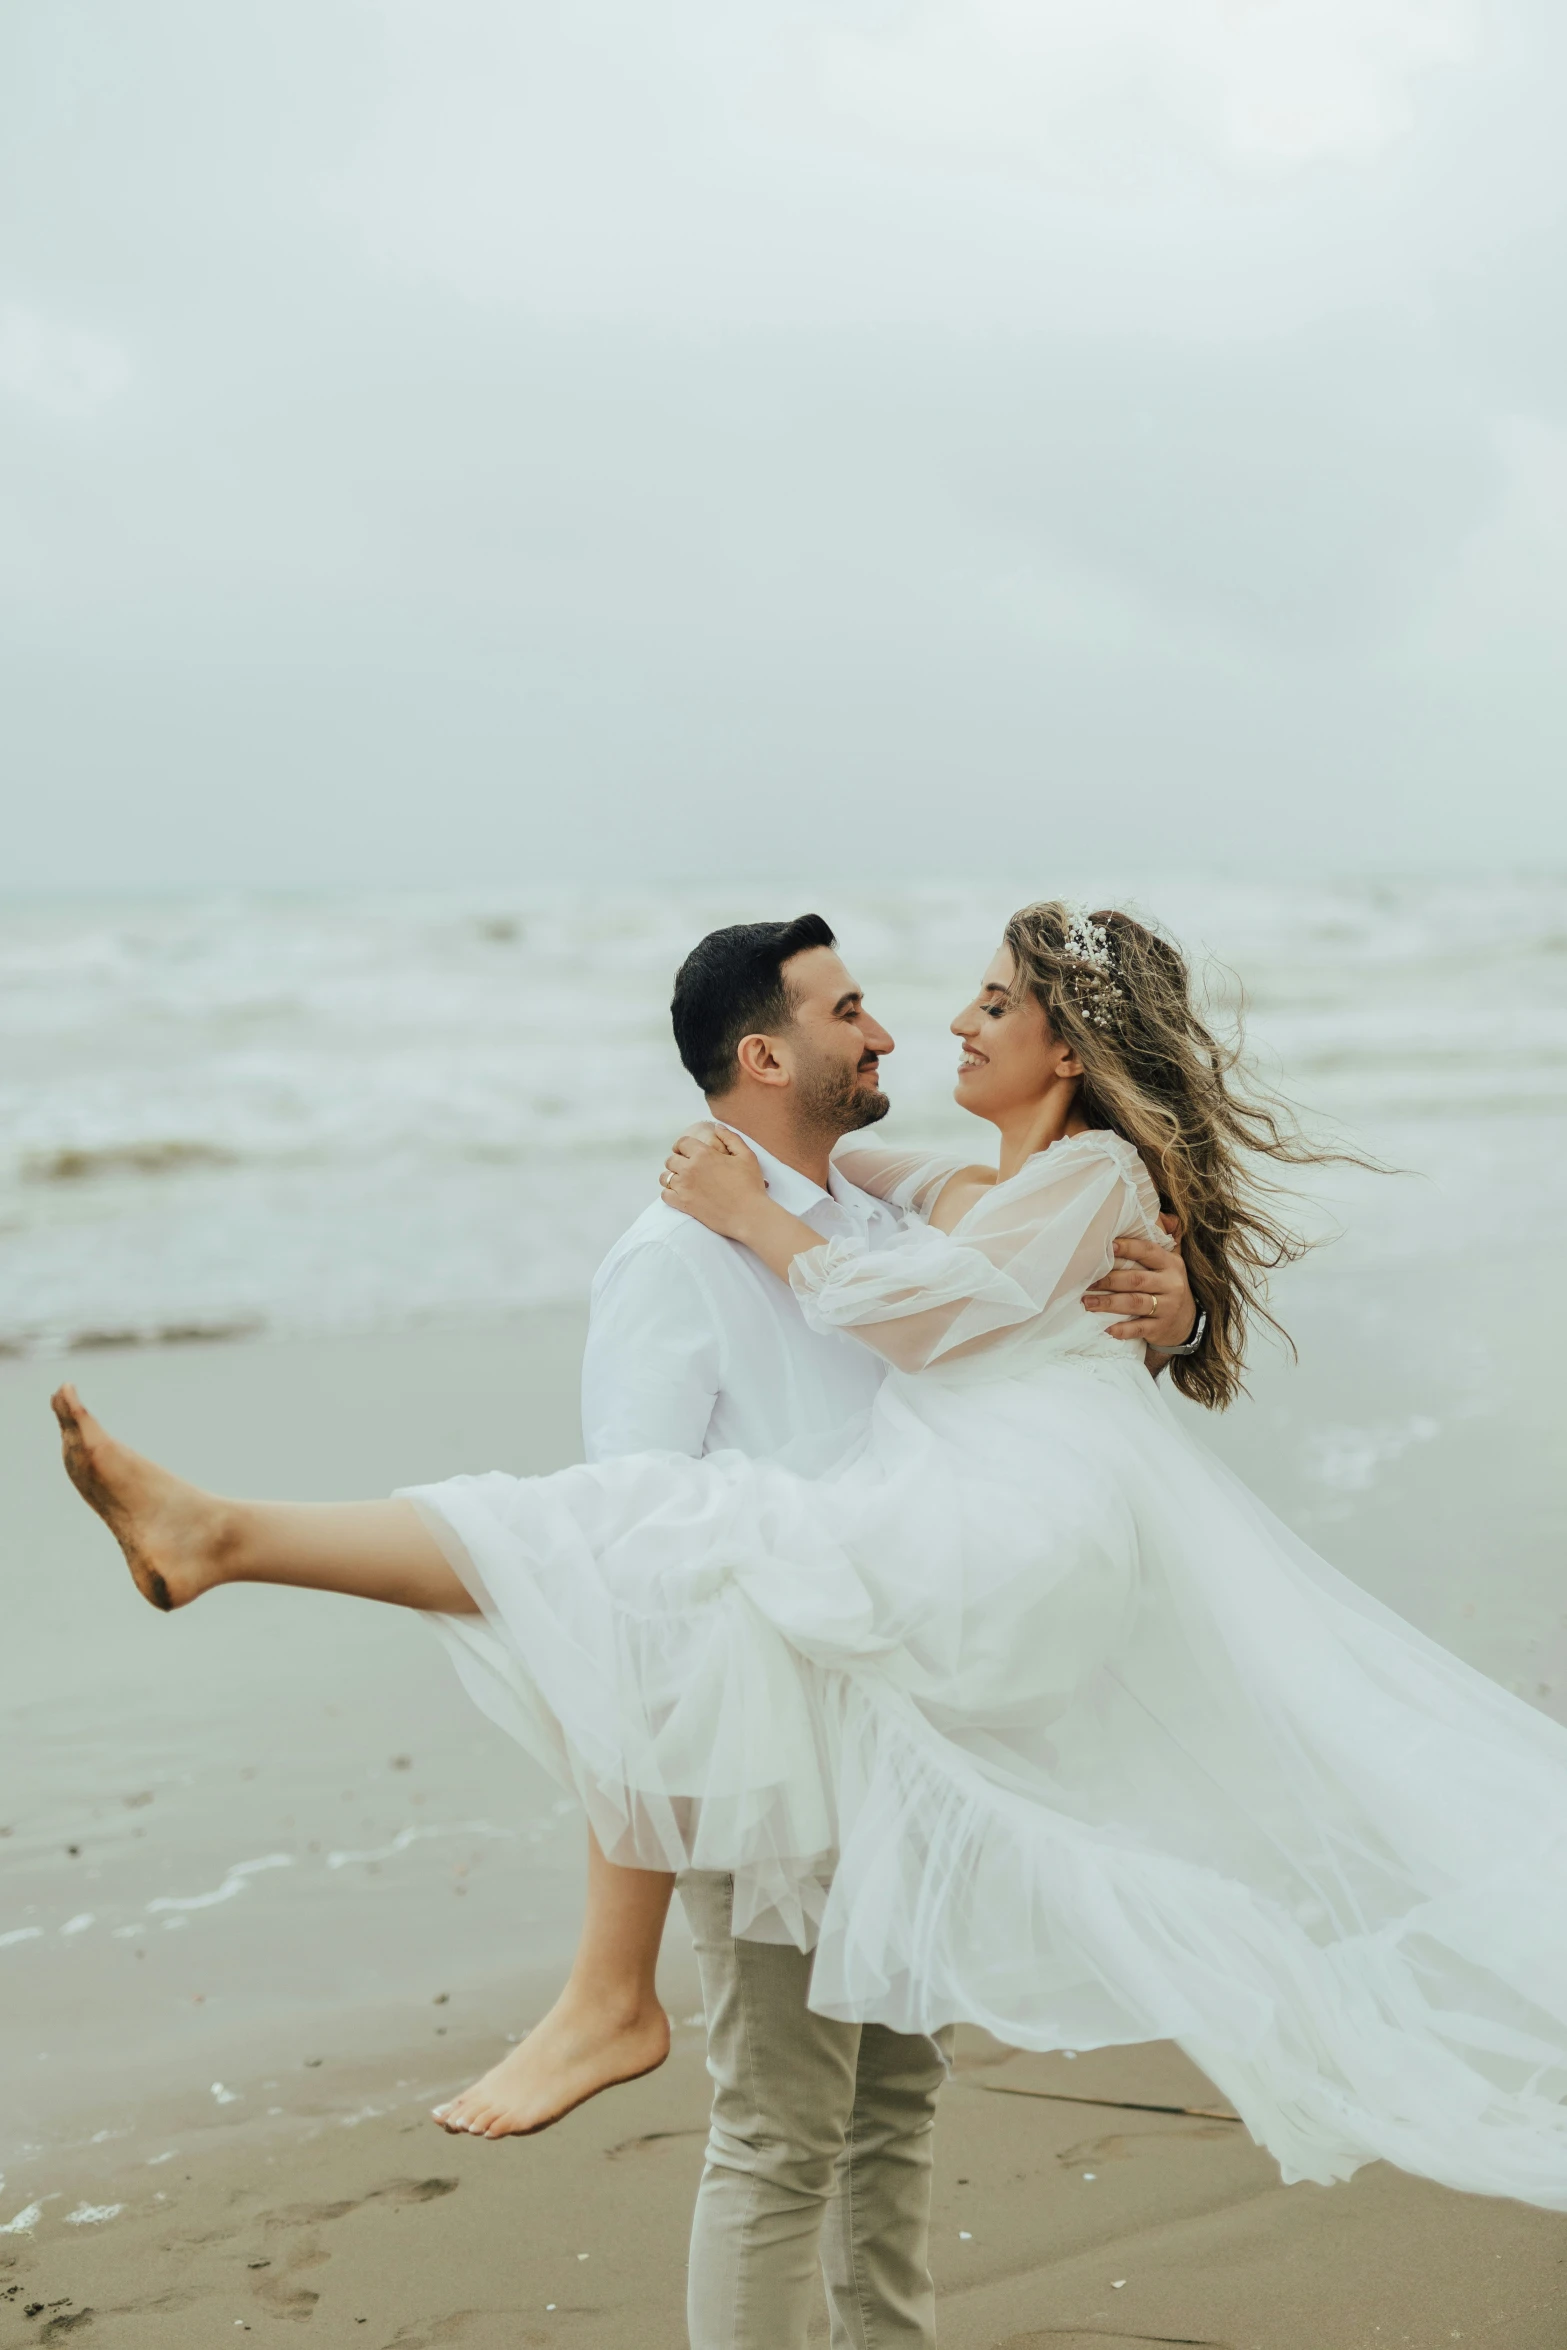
(278, 2289)
(458, 2328)
(1122, 2144)
(309, 2215)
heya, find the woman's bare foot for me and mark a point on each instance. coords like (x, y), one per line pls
(567, 2058)
(172, 1534)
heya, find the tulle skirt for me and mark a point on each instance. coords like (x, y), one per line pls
(1028, 1714)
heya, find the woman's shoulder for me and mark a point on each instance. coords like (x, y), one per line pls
(1096, 1145)
(915, 1181)
(1097, 1142)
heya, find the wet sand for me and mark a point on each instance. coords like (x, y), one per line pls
(268, 1886)
(1067, 2216)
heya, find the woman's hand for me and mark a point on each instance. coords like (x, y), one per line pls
(711, 1175)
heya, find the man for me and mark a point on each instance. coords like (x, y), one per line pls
(820, 2144)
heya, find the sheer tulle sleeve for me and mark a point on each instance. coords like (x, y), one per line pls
(911, 1180)
(1024, 1254)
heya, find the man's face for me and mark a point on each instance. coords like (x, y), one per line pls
(832, 1048)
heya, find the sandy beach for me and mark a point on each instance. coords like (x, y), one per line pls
(270, 1887)
(1072, 2210)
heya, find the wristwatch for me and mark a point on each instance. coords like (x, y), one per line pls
(1192, 1344)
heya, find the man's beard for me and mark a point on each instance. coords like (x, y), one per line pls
(835, 1102)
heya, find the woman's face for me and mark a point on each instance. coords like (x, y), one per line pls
(1010, 1060)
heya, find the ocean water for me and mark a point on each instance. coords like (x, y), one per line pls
(230, 1114)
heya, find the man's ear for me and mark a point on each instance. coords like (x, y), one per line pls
(758, 1059)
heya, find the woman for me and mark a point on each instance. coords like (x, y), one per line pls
(1027, 1712)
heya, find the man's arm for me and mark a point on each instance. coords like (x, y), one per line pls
(1148, 1283)
(652, 1365)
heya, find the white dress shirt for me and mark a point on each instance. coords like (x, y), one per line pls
(694, 1346)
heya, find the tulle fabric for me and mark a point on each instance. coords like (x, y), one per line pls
(1028, 1714)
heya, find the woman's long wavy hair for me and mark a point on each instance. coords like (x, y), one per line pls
(1121, 997)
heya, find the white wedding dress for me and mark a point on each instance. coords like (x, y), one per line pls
(1030, 1715)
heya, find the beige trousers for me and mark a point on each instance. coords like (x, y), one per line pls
(820, 2148)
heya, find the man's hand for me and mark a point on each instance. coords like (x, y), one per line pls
(711, 1175)
(1149, 1284)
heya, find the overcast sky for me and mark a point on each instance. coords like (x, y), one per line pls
(462, 440)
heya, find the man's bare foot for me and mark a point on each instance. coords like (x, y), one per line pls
(566, 2059)
(172, 1534)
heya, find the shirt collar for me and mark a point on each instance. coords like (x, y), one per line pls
(786, 1185)
(796, 1192)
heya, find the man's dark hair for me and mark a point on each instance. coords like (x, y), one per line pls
(732, 985)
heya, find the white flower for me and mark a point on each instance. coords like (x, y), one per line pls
(1094, 985)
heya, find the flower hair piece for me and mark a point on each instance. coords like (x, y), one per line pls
(1095, 986)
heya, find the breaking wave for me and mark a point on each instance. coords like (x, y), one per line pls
(228, 1115)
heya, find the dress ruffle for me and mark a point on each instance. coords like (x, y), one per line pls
(1029, 1715)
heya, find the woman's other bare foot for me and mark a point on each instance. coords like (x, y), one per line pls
(172, 1534)
(576, 2051)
